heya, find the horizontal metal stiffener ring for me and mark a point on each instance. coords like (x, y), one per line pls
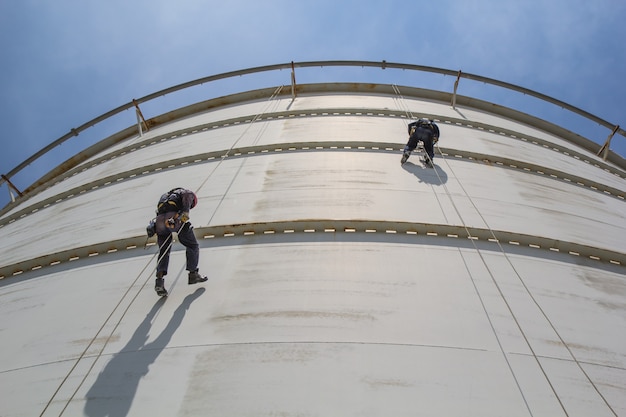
(352, 230)
(357, 112)
(303, 147)
(453, 97)
(351, 112)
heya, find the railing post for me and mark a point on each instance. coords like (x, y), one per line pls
(139, 123)
(293, 81)
(604, 150)
(11, 186)
(140, 120)
(456, 85)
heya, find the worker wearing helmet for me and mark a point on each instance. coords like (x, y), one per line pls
(425, 131)
(173, 217)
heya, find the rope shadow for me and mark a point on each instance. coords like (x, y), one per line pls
(114, 390)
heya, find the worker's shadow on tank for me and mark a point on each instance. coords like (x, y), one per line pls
(435, 175)
(114, 390)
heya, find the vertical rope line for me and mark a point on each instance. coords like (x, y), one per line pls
(254, 119)
(493, 328)
(401, 103)
(91, 342)
(271, 102)
(483, 260)
(403, 106)
(171, 240)
(535, 302)
(493, 279)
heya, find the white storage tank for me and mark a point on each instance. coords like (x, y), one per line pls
(341, 283)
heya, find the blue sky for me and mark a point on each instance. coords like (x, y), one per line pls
(65, 62)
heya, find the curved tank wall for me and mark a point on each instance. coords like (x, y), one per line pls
(340, 282)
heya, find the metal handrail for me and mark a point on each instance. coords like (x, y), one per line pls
(291, 65)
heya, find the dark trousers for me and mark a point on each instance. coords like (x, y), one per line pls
(165, 240)
(426, 137)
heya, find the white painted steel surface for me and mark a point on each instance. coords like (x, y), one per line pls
(327, 320)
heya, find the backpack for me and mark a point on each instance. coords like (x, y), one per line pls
(430, 125)
(435, 129)
(170, 201)
(423, 123)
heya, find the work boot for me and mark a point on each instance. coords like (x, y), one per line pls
(195, 277)
(159, 287)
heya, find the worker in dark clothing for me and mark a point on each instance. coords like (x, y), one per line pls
(173, 216)
(425, 131)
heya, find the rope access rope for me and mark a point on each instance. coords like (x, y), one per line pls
(401, 103)
(447, 191)
(270, 102)
(529, 293)
(169, 245)
(484, 261)
(91, 342)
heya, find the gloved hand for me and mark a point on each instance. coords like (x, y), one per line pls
(184, 216)
(151, 229)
